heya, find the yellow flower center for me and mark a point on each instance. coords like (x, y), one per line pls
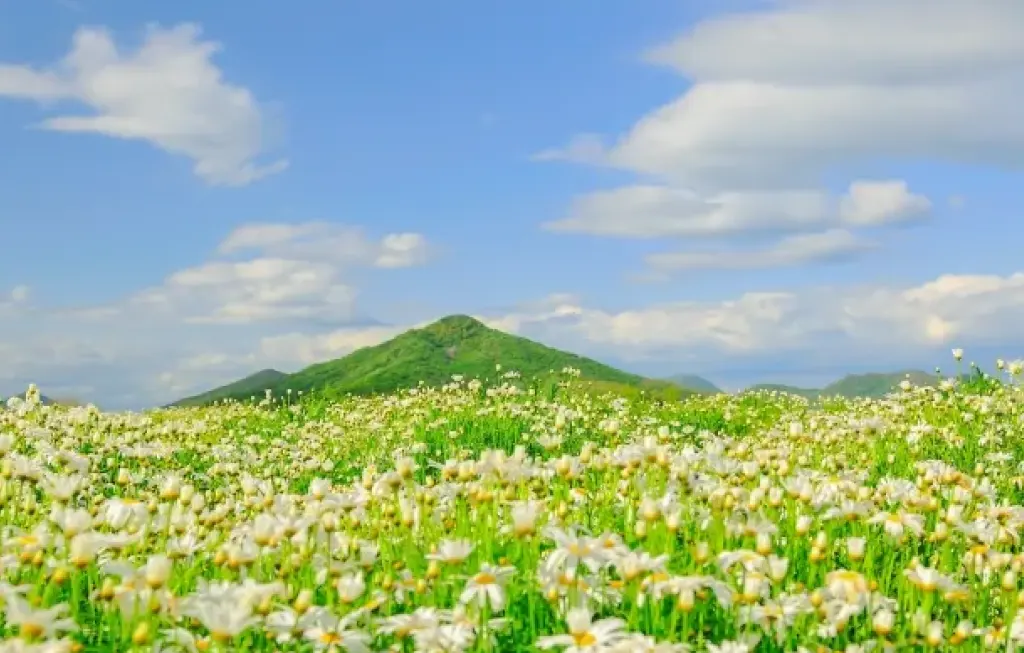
(485, 578)
(330, 638)
(584, 639)
(31, 630)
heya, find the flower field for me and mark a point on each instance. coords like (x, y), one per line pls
(468, 518)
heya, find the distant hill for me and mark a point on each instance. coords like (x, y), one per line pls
(872, 385)
(457, 344)
(254, 384)
(694, 382)
(876, 384)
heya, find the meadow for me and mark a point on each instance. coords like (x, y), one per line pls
(502, 518)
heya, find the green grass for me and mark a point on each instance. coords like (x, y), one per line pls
(330, 511)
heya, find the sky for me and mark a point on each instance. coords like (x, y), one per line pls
(749, 190)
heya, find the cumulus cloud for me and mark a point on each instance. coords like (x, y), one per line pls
(793, 92)
(142, 363)
(325, 240)
(876, 203)
(782, 93)
(261, 289)
(168, 93)
(848, 324)
(651, 211)
(296, 272)
(272, 295)
(832, 245)
(306, 349)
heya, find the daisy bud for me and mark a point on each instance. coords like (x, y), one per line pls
(1009, 581)
(855, 547)
(882, 622)
(701, 552)
(685, 601)
(640, 529)
(140, 636)
(803, 525)
(157, 571)
(303, 601)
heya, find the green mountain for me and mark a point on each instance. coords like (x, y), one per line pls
(252, 385)
(875, 384)
(694, 382)
(457, 344)
(872, 385)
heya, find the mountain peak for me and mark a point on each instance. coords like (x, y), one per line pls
(457, 325)
(457, 320)
(453, 345)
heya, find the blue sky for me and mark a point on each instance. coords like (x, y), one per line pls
(776, 190)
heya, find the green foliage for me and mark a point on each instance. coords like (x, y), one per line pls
(254, 384)
(455, 345)
(876, 384)
(873, 385)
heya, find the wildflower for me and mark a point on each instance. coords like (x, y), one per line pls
(855, 547)
(338, 636)
(927, 579)
(350, 587)
(585, 635)
(487, 587)
(452, 552)
(524, 518)
(36, 624)
(157, 571)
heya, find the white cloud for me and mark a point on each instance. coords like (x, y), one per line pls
(401, 251)
(802, 90)
(345, 244)
(138, 361)
(649, 211)
(783, 93)
(274, 295)
(306, 349)
(582, 148)
(847, 324)
(820, 220)
(296, 275)
(261, 289)
(168, 92)
(823, 42)
(832, 245)
(875, 203)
